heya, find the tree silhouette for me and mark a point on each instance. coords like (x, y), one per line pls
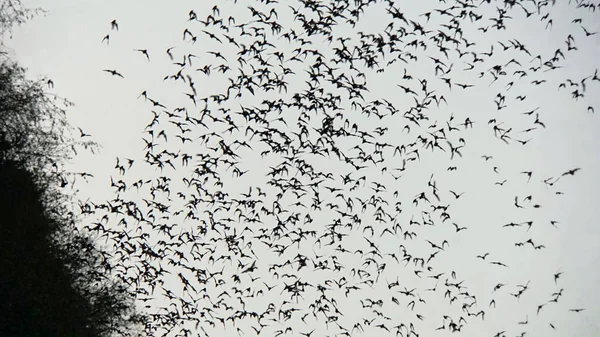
(12, 13)
(54, 281)
(47, 285)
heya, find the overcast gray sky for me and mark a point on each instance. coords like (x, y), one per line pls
(65, 45)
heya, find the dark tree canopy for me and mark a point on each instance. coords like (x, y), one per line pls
(54, 281)
(42, 282)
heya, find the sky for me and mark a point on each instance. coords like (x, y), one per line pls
(66, 45)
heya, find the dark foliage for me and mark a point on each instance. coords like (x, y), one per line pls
(53, 279)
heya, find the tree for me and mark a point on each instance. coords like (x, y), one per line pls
(12, 13)
(54, 281)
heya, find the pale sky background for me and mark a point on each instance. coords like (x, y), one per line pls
(65, 45)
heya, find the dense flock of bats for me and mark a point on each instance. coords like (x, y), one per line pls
(275, 203)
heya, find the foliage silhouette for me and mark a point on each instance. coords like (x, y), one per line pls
(46, 286)
(54, 281)
(13, 13)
